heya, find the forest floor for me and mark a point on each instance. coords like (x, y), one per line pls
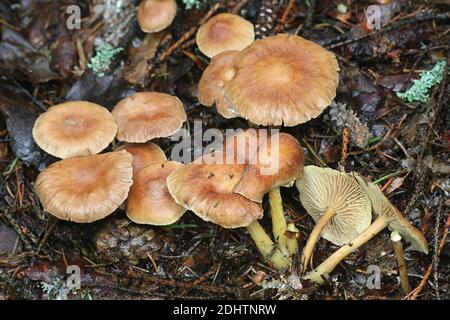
(42, 63)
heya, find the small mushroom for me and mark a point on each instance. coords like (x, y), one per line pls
(387, 216)
(212, 83)
(148, 115)
(85, 189)
(338, 205)
(282, 79)
(149, 200)
(74, 129)
(223, 32)
(156, 15)
(143, 154)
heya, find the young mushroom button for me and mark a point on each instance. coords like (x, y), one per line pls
(338, 205)
(156, 15)
(85, 189)
(224, 32)
(283, 79)
(143, 154)
(148, 115)
(74, 129)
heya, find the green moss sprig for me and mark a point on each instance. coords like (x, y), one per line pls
(100, 63)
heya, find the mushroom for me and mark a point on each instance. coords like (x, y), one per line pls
(149, 200)
(143, 154)
(212, 83)
(74, 129)
(387, 215)
(338, 205)
(148, 115)
(277, 162)
(282, 79)
(156, 15)
(85, 189)
(223, 32)
(207, 190)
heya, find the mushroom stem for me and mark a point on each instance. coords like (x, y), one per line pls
(278, 221)
(314, 236)
(396, 240)
(281, 258)
(326, 267)
(292, 243)
(261, 238)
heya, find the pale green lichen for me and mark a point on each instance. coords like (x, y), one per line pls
(100, 63)
(419, 90)
(189, 4)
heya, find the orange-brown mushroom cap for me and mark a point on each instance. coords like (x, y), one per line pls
(74, 129)
(144, 154)
(148, 115)
(278, 162)
(156, 15)
(207, 190)
(283, 79)
(223, 32)
(85, 189)
(149, 200)
(212, 83)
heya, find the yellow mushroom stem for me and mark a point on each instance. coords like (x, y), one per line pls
(326, 267)
(262, 240)
(292, 242)
(279, 225)
(313, 237)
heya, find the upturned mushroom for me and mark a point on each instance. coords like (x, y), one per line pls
(211, 88)
(338, 205)
(282, 79)
(85, 189)
(387, 215)
(223, 32)
(156, 15)
(148, 115)
(74, 129)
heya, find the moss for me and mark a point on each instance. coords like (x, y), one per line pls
(100, 63)
(193, 4)
(419, 90)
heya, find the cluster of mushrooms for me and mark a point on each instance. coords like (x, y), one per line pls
(280, 80)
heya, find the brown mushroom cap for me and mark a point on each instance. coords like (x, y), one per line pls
(156, 15)
(278, 162)
(144, 154)
(149, 200)
(383, 207)
(212, 84)
(207, 190)
(85, 189)
(74, 129)
(148, 115)
(323, 188)
(223, 32)
(283, 79)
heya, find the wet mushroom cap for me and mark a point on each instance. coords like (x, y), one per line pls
(212, 83)
(156, 15)
(383, 207)
(74, 129)
(149, 200)
(224, 32)
(144, 154)
(323, 188)
(148, 115)
(85, 189)
(283, 79)
(278, 162)
(207, 190)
